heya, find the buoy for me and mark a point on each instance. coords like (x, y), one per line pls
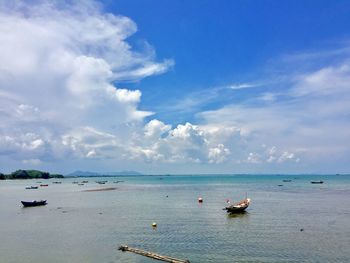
(200, 200)
(154, 224)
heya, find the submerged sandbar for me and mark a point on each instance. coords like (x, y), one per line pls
(100, 189)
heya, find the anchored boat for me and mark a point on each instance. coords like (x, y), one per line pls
(33, 203)
(317, 182)
(32, 187)
(238, 207)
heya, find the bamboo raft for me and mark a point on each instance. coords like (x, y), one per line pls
(152, 255)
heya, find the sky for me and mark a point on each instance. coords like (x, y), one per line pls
(176, 87)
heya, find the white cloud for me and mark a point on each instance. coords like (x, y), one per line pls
(286, 156)
(253, 158)
(59, 60)
(242, 86)
(155, 129)
(218, 154)
(328, 81)
(186, 143)
(307, 120)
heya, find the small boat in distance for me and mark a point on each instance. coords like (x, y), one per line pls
(43, 185)
(287, 180)
(57, 182)
(33, 203)
(317, 182)
(239, 207)
(31, 187)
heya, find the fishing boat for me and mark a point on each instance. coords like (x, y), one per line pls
(317, 182)
(239, 207)
(31, 187)
(33, 203)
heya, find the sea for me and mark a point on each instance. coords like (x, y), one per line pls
(293, 221)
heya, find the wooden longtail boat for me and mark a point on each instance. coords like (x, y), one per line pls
(33, 203)
(238, 207)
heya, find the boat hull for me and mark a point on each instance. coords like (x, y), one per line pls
(236, 210)
(33, 203)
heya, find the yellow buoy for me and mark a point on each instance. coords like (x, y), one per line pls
(154, 224)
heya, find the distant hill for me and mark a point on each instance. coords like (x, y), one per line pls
(88, 173)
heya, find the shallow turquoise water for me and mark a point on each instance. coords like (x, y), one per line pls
(79, 226)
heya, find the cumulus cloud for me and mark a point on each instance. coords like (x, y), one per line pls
(58, 63)
(185, 143)
(155, 129)
(218, 154)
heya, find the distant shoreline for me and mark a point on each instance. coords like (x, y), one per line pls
(36, 174)
(29, 174)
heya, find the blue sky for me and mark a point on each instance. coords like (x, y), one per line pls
(225, 42)
(175, 86)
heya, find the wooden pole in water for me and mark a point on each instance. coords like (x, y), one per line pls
(152, 255)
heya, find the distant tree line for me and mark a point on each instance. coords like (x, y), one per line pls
(29, 174)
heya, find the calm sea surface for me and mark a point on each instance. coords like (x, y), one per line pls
(77, 226)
